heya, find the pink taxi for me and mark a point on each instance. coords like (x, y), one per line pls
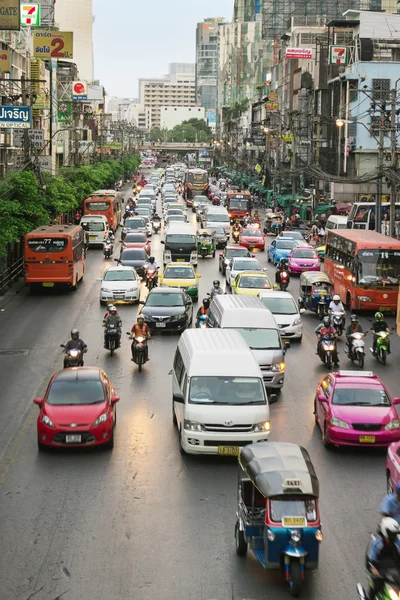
(303, 258)
(354, 408)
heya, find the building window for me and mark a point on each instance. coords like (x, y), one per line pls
(380, 89)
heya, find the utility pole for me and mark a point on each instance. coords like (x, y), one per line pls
(293, 161)
(393, 162)
(24, 98)
(378, 204)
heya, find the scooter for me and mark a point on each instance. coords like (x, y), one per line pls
(108, 249)
(73, 357)
(284, 281)
(151, 278)
(139, 350)
(235, 235)
(382, 346)
(201, 322)
(338, 322)
(357, 351)
(327, 350)
(156, 225)
(113, 333)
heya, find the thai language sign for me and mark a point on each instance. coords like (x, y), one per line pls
(298, 53)
(52, 44)
(15, 117)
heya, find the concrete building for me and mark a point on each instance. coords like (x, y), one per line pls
(176, 89)
(175, 115)
(77, 16)
(207, 63)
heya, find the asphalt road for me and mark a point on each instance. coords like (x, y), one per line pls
(142, 521)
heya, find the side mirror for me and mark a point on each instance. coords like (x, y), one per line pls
(178, 398)
(38, 401)
(275, 286)
(162, 242)
(286, 345)
(198, 275)
(141, 302)
(233, 284)
(116, 259)
(114, 399)
(265, 269)
(221, 255)
(396, 400)
(62, 345)
(273, 398)
(253, 256)
(322, 398)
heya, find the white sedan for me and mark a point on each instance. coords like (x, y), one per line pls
(238, 264)
(119, 284)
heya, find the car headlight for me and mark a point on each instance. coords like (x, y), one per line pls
(263, 426)
(47, 421)
(319, 536)
(364, 298)
(132, 289)
(278, 367)
(192, 425)
(106, 290)
(395, 424)
(177, 317)
(339, 423)
(295, 536)
(297, 321)
(101, 419)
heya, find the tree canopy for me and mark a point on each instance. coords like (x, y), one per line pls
(192, 130)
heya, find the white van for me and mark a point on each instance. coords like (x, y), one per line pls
(257, 325)
(219, 400)
(180, 244)
(96, 226)
(336, 222)
(216, 216)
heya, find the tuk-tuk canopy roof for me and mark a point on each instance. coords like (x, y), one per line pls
(313, 277)
(204, 232)
(277, 468)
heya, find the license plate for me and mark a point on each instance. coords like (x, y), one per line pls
(92, 237)
(119, 296)
(73, 439)
(293, 522)
(228, 450)
(384, 308)
(48, 284)
(160, 324)
(180, 260)
(367, 439)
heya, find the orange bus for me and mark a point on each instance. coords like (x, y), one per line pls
(54, 255)
(364, 267)
(107, 203)
(238, 202)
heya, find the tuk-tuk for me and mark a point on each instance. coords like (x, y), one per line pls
(269, 217)
(206, 245)
(278, 516)
(316, 292)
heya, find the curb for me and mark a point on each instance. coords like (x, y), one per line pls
(10, 293)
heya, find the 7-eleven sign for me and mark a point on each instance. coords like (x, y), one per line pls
(30, 15)
(338, 55)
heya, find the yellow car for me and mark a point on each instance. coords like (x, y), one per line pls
(183, 276)
(251, 283)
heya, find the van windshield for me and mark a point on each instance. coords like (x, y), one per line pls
(260, 339)
(180, 239)
(226, 390)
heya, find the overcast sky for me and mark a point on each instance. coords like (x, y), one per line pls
(134, 38)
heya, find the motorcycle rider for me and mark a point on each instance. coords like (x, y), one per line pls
(382, 554)
(379, 325)
(150, 266)
(203, 310)
(112, 319)
(140, 329)
(246, 219)
(390, 505)
(336, 305)
(75, 343)
(281, 266)
(109, 307)
(323, 329)
(216, 290)
(354, 327)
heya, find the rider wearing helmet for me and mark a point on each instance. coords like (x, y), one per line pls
(282, 265)
(354, 327)
(336, 305)
(75, 343)
(112, 318)
(216, 290)
(108, 311)
(203, 310)
(150, 266)
(382, 554)
(379, 325)
(323, 329)
(140, 329)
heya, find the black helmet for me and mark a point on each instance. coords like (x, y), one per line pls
(206, 302)
(74, 334)
(216, 283)
(151, 259)
(326, 321)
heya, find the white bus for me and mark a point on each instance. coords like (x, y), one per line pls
(96, 226)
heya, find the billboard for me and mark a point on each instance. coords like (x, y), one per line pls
(15, 117)
(298, 53)
(5, 61)
(10, 15)
(52, 44)
(79, 90)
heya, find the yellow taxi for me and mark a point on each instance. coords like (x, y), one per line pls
(183, 276)
(251, 283)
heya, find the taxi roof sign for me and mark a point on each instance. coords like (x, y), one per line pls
(356, 374)
(292, 483)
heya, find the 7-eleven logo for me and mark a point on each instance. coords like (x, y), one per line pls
(30, 15)
(337, 55)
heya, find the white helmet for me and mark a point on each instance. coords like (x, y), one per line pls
(336, 298)
(390, 528)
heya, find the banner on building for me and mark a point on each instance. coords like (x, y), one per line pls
(30, 15)
(338, 55)
(15, 117)
(299, 53)
(79, 90)
(5, 61)
(10, 15)
(64, 112)
(52, 44)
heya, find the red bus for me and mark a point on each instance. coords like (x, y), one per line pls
(237, 204)
(107, 203)
(364, 267)
(54, 255)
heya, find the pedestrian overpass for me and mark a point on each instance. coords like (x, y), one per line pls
(175, 146)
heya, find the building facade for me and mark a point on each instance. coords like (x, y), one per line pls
(175, 115)
(207, 63)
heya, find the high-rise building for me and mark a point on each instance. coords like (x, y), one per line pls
(207, 63)
(77, 16)
(175, 89)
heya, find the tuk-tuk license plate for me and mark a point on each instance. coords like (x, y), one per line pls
(48, 284)
(228, 450)
(92, 237)
(367, 439)
(73, 439)
(293, 522)
(180, 260)
(384, 308)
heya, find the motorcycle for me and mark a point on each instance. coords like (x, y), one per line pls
(338, 322)
(382, 346)
(327, 350)
(139, 350)
(390, 588)
(151, 278)
(235, 235)
(356, 353)
(201, 322)
(112, 335)
(108, 249)
(73, 357)
(156, 225)
(284, 281)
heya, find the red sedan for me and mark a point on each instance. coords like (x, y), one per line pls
(136, 240)
(252, 237)
(78, 409)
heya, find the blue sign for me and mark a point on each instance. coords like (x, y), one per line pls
(15, 117)
(211, 117)
(258, 6)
